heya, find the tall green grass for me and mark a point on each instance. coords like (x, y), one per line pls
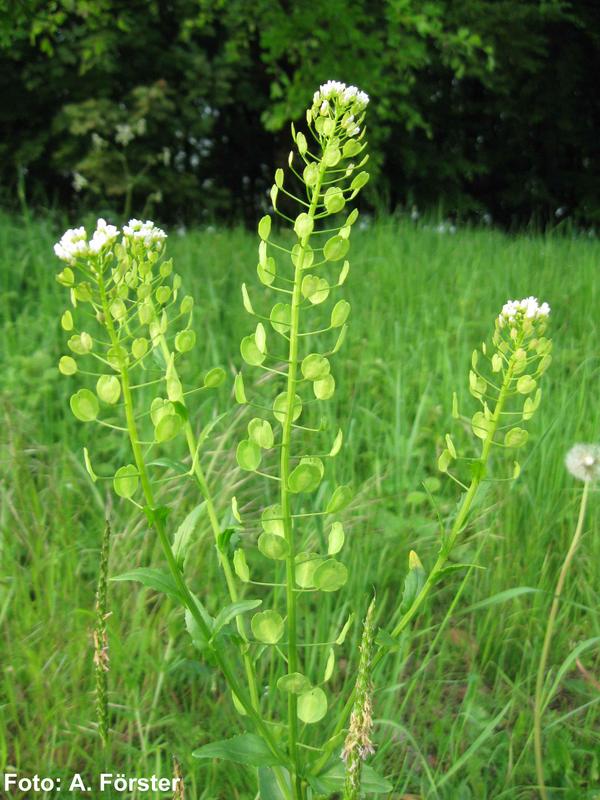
(454, 704)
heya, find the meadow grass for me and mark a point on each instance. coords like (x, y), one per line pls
(453, 705)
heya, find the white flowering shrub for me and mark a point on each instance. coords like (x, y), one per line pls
(129, 330)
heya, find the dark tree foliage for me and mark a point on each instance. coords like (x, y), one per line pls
(180, 107)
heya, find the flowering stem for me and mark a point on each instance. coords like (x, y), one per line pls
(541, 673)
(290, 588)
(445, 550)
(158, 523)
(216, 529)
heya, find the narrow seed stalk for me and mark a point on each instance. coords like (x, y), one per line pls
(101, 657)
(539, 704)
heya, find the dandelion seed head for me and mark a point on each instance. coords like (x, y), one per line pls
(583, 462)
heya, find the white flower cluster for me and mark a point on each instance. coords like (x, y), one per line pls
(147, 232)
(74, 243)
(583, 462)
(103, 237)
(528, 308)
(336, 90)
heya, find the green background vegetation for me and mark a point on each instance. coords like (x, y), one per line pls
(479, 106)
(454, 704)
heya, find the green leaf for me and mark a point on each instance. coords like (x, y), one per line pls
(246, 300)
(273, 546)
(239, 390)
(337, 444)
(315, 366)
(501, 597)
(351, 148)
(329, 666)
(526, 384)
(279, 178)
(413, 584)
(334, 779)
(272, 520)
(184, 533)
(334, 199)
(250, 351)
(330, 576)
(281, 317)
(335, 248)
(280, 407)
(344, 632)
(233, 610)
(264, 227)
(324, 388)
(247, 748)
(331, 154)
(168, 427)
(481, 425)
(359, 181)
(240, 565)
(312, 705)
(126, 480)
(267, 627)
(268, 786)
(305, 567)
(340, 340)
(516, 437)
(88, 465)
(261, 432)
(294, 683)
(214, 378)
(303, 225)
(152, 578)
(444, 460)
(267, 271)
(84, 405)
(302, 256)
(310, 174)
(305, 477)
(248, 455)
(185, 341)
(260, 337)
(67, 365)
(339, 499)
(314, 289)
(344, 273)
(139, 347)
(335, 539)
(340, 313)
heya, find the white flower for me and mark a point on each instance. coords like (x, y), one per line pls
(79, 181)
(528, 308)
(73, 244)
(583, 461)
(97, 141)
(146, 232)
(124, 134)
(335, 91)
(103, 237)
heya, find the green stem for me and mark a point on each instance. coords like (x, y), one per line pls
(174, 569)
(541, 673)
(442, 559)
(290, 588)
(216, 529)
